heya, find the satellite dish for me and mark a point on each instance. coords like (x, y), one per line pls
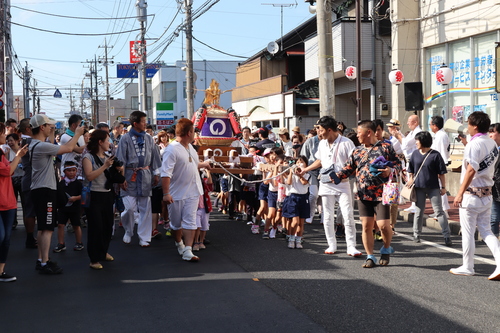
(273, 48)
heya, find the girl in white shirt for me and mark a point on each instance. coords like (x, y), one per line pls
(298, 205)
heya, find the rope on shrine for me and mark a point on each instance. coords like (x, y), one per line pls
(244, 181)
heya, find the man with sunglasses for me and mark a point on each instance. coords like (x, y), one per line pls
(44, 184)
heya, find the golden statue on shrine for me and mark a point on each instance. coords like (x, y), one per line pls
(212, 94)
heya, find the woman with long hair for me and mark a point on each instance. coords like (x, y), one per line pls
(8, 203)
(100, 215)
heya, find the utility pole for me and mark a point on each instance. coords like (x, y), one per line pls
(35, 111)
(108, 97)
(325, 55)
(359, 99)
(96, 103)
(189, 59)
(26, 92)
(143, 85)
(6, 61)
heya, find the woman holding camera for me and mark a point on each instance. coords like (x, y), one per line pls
(100, 214)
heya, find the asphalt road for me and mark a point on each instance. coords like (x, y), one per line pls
(245, 284)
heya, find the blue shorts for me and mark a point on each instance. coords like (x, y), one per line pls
(224, 185)
(263, 190)
(285, 210)
(296, 205)
(272, 198)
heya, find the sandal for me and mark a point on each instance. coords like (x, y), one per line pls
(384, 259)
(385, 255)
(369, 263)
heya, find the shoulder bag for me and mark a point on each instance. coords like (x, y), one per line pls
(408, 191)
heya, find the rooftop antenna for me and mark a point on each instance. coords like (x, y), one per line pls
(281, 5)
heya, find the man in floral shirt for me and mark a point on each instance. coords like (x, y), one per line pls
(370, 188)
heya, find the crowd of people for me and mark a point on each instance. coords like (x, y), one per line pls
(95, 175)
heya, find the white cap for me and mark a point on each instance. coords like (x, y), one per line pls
(267, 151)
(41, 119)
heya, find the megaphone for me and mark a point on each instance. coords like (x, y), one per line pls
(452, 126)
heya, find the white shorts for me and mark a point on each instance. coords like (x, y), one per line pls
(202, 219)
(182, 213)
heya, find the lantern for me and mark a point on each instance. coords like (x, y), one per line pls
(396, 76)
(351, 73)
(444, 75)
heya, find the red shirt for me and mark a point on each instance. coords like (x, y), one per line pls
(7, 199)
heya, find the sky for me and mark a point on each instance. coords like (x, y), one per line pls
(58, 60)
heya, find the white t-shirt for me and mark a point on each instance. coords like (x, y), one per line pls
(441, 143)
(185, 181)
(297, 187)
(408, 144)
(481, 153)
(77, 158)
(336, 154)
(396, 145)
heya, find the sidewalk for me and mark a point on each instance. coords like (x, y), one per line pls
(454, 219)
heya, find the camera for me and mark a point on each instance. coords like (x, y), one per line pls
(117, 163)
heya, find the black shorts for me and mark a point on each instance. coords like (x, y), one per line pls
(28, 206)
(73, 217)
(371, 208)
(45, 202)
(157, 200)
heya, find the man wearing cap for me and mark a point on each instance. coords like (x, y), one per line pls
(44, 184)
(271, 134)
(396, 136)
(333, 152)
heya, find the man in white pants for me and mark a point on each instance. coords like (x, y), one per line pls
(409, 145)
(441, 143)
(181, 183)
(142, 163)
(309, 150)
(333, 151)
(474, 196)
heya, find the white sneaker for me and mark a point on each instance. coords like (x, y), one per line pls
(309, 220)
(272, 233)
(353, 252)
(291, 244)
(298, 244)
(462, 271)
(496, 275)
(188, 255)
(180, 247)
(126, 238)
(330, 250)
(410, 210)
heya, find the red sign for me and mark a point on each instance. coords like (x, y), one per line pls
(165, 122)
(135, 52)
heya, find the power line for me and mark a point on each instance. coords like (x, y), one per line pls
(213, 48)
(73, 34)
(77, 17)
